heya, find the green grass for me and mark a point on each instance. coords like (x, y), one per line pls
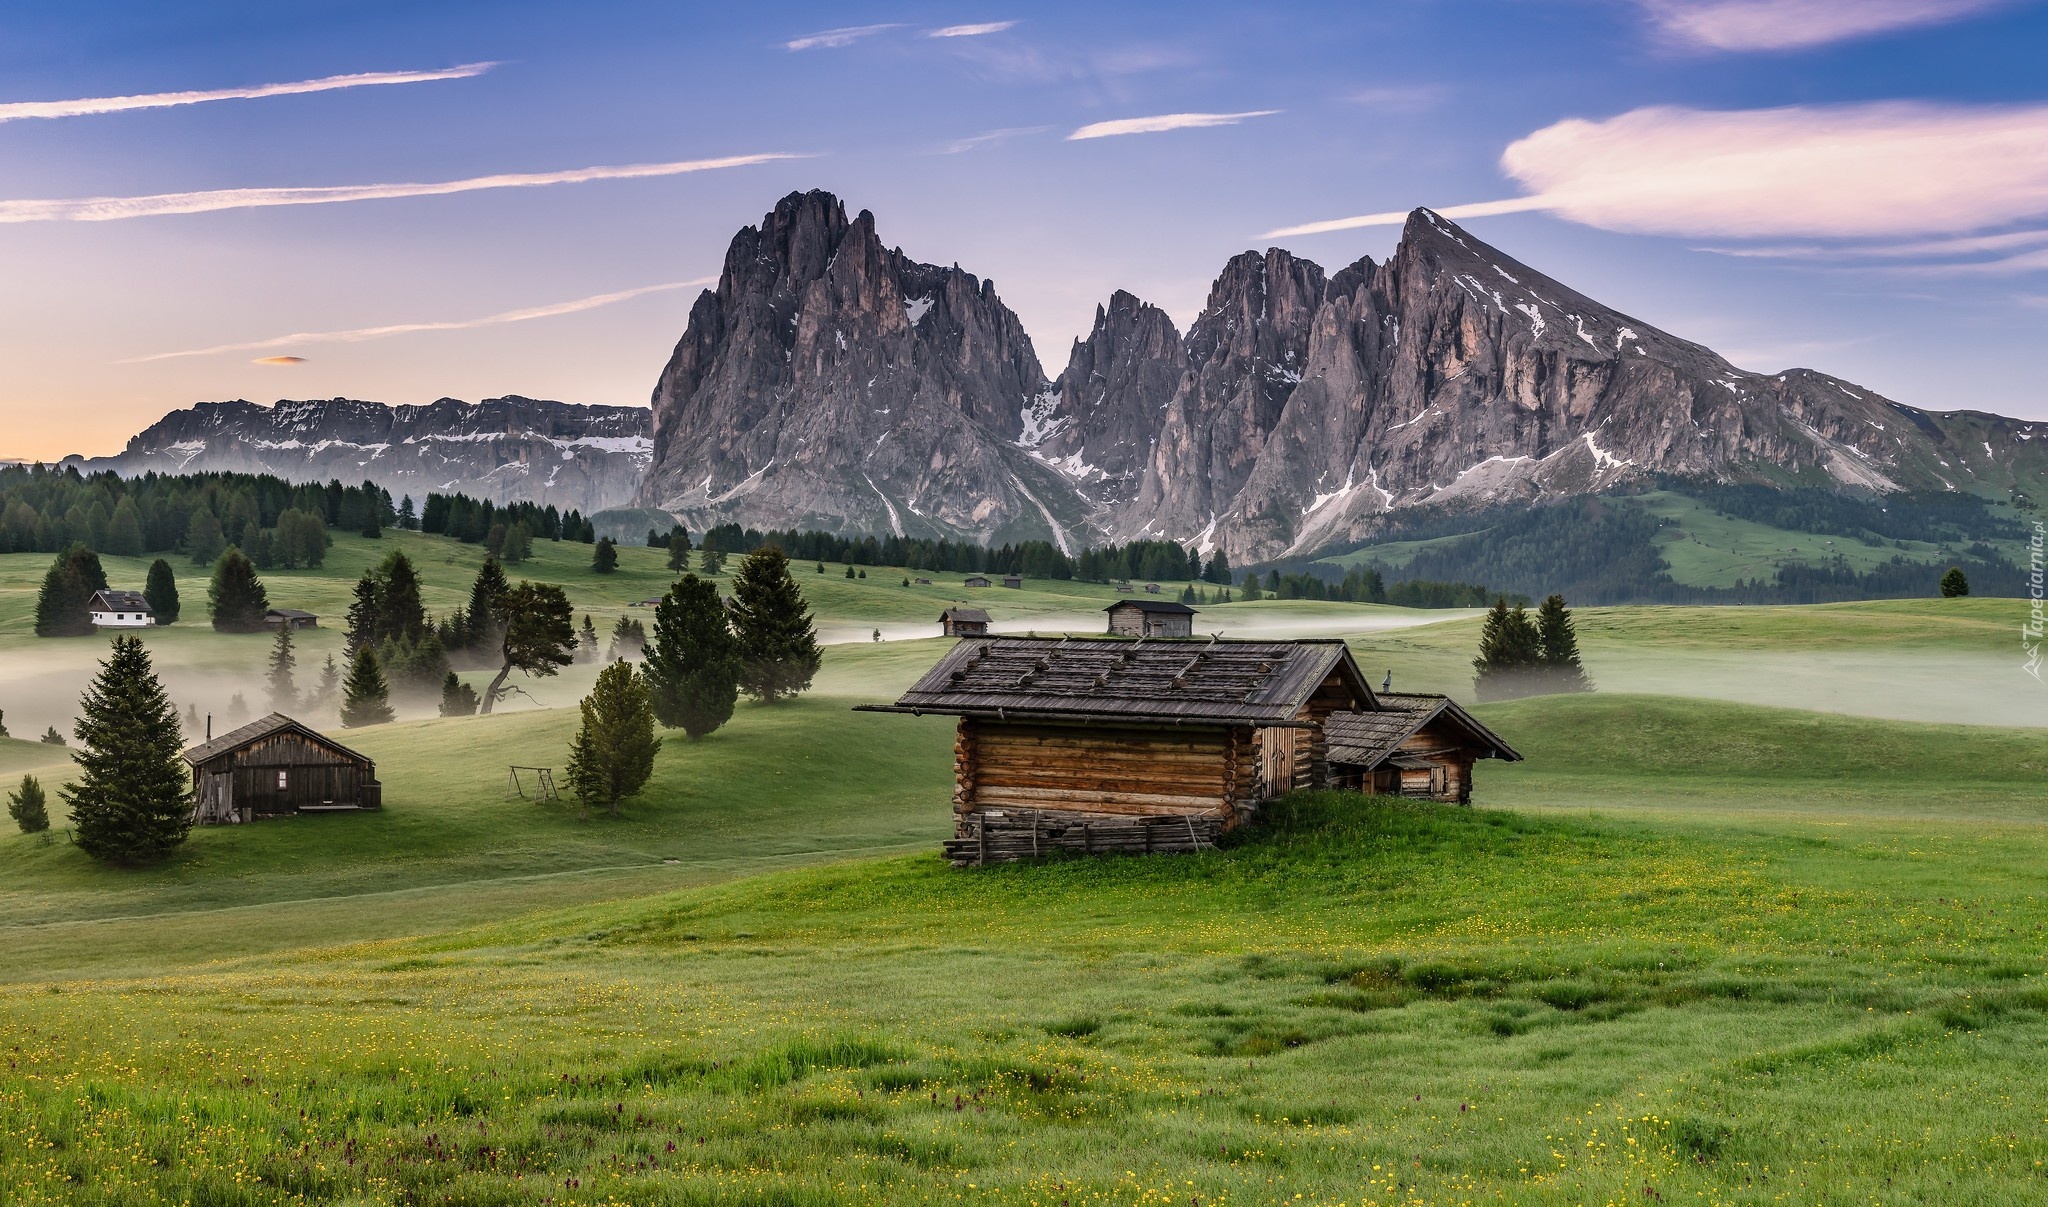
(1698, 946)
(1370, 1001)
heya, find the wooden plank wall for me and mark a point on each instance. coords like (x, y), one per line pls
(1109, 770)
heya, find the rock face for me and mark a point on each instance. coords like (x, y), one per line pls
(830, 382)
(583, 457)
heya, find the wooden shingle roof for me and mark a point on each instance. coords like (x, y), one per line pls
(256, 731)
(1215, 682)
(1367, 739)
(1152, 605)
(969, 615)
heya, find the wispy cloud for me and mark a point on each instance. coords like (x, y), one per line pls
(1890, 170)
(108, 209)
(1477, 209)
(279, 361)
(1415, 98)
(991, 138)
(973, 31)
(1739, 25)
(1164, 122)
(21, 110)
(359, 334)
(833, 39)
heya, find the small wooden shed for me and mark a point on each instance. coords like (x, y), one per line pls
(974, 580)
(963, 622)
(1416, 745)
(276, 766)
(1100, 743)
(290, 618)
(1013, 581)
(1150, 618)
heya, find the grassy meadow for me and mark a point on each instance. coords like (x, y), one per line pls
(1760, 922)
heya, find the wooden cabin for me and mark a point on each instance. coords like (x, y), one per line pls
(120, 610)
(1151, 588)
(1107, 744)
(290, 618)
(1014, 582)
(974, 580)
(277, 766)
(1415, 745)
(1150, 618)
(963, 622)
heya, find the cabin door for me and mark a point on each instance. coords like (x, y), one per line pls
(1276, 762)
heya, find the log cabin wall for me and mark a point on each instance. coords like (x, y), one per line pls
(1098, 769)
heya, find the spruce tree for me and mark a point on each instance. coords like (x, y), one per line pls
(679, 550)
(1955, 584)
(692, 665)
(1558, 641)
(605, 558)
(162, 592)
(365, 696)
(3, 723)
(124, 531)
(588, 642)
(128, 801)
(284, 689)
(63, 606)
(236, 595)
(1510, 654)
(204, 540)
(402, 613)
(28, 806)
(458, 699)
(540, 636)
(485, 617)
(779, 653)
(612, 755)
(330, 680)
(52, 738)
(365, 620)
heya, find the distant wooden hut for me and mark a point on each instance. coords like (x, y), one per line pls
(1013, 581)
(1123, 588)
(290, 618)
(922, 582)
(1151, 588)
(1414, 745)
(963, 622)
(276, 766)
(1150, 618)
(975, 580)
(1100, 744)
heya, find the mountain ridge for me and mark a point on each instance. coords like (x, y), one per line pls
(1299, 408)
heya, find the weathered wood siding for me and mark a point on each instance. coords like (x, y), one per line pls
(312, 774)
(1105, 771)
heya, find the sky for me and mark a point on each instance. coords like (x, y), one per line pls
(402, 201)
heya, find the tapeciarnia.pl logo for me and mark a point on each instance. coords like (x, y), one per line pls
(2037, 590)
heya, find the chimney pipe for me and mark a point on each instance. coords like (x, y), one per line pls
(209, 727)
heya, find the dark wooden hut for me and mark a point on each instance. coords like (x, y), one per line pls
(290, 618)
(1150, 618)
(276, 766)
(974, 580)
(1013, 581)
(1099, 743)
(963, 622)
(1413, 745)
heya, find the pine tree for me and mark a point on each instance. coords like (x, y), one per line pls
(1251, 586)
(605, 558)
(3, 723)
(128, 801)
(365, 696)
(1558, 642)
(408, 519)
(587, 646)
(63, 607)
(1955, 584)
(1510, 654)
(28, 806)
(365, 618)
(284, 690)
(52, 738)
(124, 531)
(540, 636)
(204, 540)
(162, 592)
(330, 680)
(401, 612)
(612, 755)
(238, 709)
(712, 561)
(692, 666)
(679, 551)
(236, 595)
(485, 615)
(779, 653)
(518, 543)
(458, 699)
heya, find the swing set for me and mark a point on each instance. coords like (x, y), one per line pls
(543, 784)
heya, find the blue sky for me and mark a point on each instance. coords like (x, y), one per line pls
(1860, 188)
